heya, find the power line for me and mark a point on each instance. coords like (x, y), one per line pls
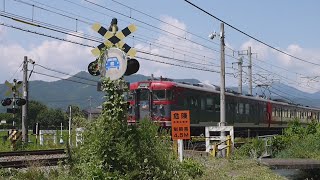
(103, 13)
(260, 41)
(54, 70)
(189, 67)
(34, 32)
(141, 21)
(15, 72)
(87, 38)
(64, 79)
(166, 23)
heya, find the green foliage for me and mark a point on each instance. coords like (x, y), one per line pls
(114, 150)
(251, 149)
(295, 128)
(192, 168)
(298, 141)
(35, 108)
(51, 118)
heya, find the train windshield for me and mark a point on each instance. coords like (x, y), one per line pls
(129, 96)
(144, 95)
(162, 94)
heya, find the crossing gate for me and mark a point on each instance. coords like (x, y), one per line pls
(209, 139)
(48, 135)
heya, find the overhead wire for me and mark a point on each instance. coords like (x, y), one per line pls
(250, 36)
(15, 72)
(34, 32)
(57, 71)
(48, 75)
(93, 21)
(230, 56)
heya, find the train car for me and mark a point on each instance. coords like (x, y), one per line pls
(155, 99)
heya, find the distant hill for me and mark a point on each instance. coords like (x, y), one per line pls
(61, 93)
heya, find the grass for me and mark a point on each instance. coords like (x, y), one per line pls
(236, 169)
(213, 169)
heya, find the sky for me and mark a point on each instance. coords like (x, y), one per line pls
(173, 32)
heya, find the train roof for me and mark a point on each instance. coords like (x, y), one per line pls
(159, 84)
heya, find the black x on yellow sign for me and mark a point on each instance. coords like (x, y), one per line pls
(114, 39)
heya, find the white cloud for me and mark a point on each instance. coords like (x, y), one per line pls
(294, 66)
(261, 50)
(59, 55)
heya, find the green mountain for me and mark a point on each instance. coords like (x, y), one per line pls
(76, 90)
(81, 90)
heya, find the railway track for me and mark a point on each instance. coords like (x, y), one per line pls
(21, 159)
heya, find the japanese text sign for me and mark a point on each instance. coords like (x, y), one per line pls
(180, 124)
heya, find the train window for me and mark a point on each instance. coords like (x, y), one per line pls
(185, 102)
(217, 104)
(247, 108)
(217, 107)
(169, 95)
(209, 105)
(273, 112)
(159, 94)
(240, 106)
(203, 104)
(144, 95)
(129, 96)
(194, 102)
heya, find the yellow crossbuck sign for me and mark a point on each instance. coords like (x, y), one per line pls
(114, 39)
(12, 88)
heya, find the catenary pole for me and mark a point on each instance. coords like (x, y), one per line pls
(250, 70)
(240, 75)
(70, 116)
(24, 118)
(223, 81)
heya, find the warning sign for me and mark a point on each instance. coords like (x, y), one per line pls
(180, 124)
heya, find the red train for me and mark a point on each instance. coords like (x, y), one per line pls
(157, 98)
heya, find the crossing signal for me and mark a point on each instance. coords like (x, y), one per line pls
(6, 102)
(132, 67)
(93, 68)
(12, 110)
(21, 102)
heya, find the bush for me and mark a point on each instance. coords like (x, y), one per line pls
(298, 141)
(192, 168)
(114, 150)
(252, 149)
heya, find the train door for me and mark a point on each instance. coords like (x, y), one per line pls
(143, 100)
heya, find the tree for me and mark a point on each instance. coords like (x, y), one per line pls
(35, 108)
(51, 118)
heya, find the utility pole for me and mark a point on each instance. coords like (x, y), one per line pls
(223, 83)
(240, 75)
(90, 104)
(25, 96)
(70, 114)
(250, 70)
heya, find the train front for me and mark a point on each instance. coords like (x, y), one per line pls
(151, 100)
